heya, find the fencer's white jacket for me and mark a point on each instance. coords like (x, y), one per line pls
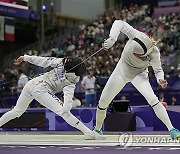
(56, 79)
(131, 64)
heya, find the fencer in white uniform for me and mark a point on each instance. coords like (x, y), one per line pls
(139, 52)
(62, 78)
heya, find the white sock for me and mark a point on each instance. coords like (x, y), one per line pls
(162, 114)
(73, 121)
(100, 116)
(7, 117)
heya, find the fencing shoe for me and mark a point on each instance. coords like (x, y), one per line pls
(175, 133)
(88, 135)
(98, 134)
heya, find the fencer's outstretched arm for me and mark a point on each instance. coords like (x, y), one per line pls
(43, 61)
(118, 27)
(122, 26)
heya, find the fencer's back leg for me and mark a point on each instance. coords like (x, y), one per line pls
(22, 104)
(12, 114)
(160, 111)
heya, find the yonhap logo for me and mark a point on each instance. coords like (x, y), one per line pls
(125, 139)
(128, 139)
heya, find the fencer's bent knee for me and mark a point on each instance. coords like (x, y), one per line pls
(153, 102)
(103, 104)
(101, 108)
(16, 113)
(65, 115)
(61, 111)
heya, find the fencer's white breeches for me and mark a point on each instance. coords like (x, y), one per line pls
(116, 83)
(36, 89)
(141, 81)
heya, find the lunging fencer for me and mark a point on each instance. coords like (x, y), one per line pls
(139, 52)
(63, 77)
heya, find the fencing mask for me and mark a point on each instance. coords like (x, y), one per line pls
(74, 65)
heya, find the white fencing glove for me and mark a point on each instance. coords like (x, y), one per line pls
(109, 43)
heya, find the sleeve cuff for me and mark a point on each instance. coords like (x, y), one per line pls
(26, 57)
(158, 78)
